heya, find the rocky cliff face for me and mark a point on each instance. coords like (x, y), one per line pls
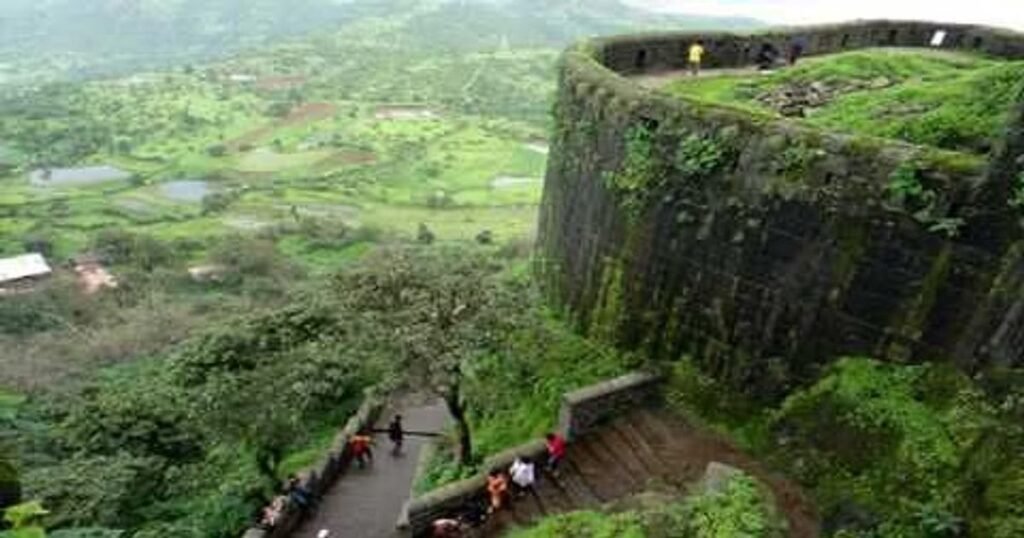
(764, 248)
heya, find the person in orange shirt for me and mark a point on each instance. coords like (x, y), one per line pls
(497, 488)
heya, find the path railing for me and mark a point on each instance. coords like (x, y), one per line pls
(321, 477)
(582, 411)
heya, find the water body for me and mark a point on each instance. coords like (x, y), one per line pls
(508, 182)
(83, 175)
(538, 147)
(406, 113)
(188, 190)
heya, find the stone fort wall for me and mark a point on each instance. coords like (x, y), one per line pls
(791, 250)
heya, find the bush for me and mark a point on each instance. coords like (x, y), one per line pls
(119, 246)
(740, 509)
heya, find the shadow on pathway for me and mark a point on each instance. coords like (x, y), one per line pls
(365, 503)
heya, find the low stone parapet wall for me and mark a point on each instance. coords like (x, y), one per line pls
(588, 408)
(582, 411)
(321, 477)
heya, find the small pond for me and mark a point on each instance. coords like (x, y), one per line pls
(83, 175)
(185, 190)
(538, 147)
(507, 182)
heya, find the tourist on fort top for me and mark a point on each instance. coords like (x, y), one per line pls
(396, 434)
(556, 450)
(696, 56)
(766, 57)
(796, 49)
(497, 489)
(523, 473)
(446, 528)
(298, 494)
(362, 451)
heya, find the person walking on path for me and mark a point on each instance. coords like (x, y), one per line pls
(696, 56)
(396, 435)
(556, 451)
(362, 452)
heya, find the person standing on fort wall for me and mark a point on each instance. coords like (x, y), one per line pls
(696, 56)
(797, 46)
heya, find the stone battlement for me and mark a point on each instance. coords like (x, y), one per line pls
(789, 250)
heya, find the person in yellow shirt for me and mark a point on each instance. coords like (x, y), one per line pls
(696, 57)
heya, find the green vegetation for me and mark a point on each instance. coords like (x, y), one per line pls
(191, 441)
(516, 393)
(641, 173)
(887, 450)
(740, 509)
(948, 100)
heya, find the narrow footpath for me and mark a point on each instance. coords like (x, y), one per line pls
(365, 503)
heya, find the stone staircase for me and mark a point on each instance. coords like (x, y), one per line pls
(644, 450)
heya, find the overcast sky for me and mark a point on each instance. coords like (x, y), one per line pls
(1005, 13)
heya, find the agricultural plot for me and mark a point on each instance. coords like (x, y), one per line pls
(235, 148)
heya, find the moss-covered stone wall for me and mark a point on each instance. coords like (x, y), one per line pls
(655, 52)
(765, 248)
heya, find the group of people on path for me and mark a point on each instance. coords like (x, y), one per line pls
(503, 486)
(361, 444)
(294, 494)
(766, 58)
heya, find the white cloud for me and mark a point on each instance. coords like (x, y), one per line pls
(1005, 13)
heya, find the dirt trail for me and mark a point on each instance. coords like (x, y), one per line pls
(661, 79)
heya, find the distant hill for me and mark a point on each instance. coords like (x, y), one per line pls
(46, 39)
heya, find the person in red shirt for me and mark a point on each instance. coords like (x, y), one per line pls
(361, 451)
(556, 450)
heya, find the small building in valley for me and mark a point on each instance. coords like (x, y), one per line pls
(21, 272)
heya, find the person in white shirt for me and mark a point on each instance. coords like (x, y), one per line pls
(524, 475)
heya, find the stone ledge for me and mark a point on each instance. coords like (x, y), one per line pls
(581, 411)
(329, 469)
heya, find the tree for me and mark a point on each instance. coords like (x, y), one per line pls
(440, 309)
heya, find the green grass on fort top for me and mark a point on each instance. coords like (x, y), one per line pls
(949, 100)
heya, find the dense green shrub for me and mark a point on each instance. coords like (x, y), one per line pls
(887, 449)
(739, 509)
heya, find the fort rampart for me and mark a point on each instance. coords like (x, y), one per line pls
(789, 249)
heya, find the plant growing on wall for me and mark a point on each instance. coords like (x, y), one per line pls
(700, 156)
(795, 161)
(641, 172)
(1017, 195)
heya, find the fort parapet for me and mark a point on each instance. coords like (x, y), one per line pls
(792, 251)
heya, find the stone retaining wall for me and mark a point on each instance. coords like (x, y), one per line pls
(587, 409)
(792, 249)
(330, 469)
(582, 411)
(654, 52)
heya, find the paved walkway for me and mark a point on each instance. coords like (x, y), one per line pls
(365, 503)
